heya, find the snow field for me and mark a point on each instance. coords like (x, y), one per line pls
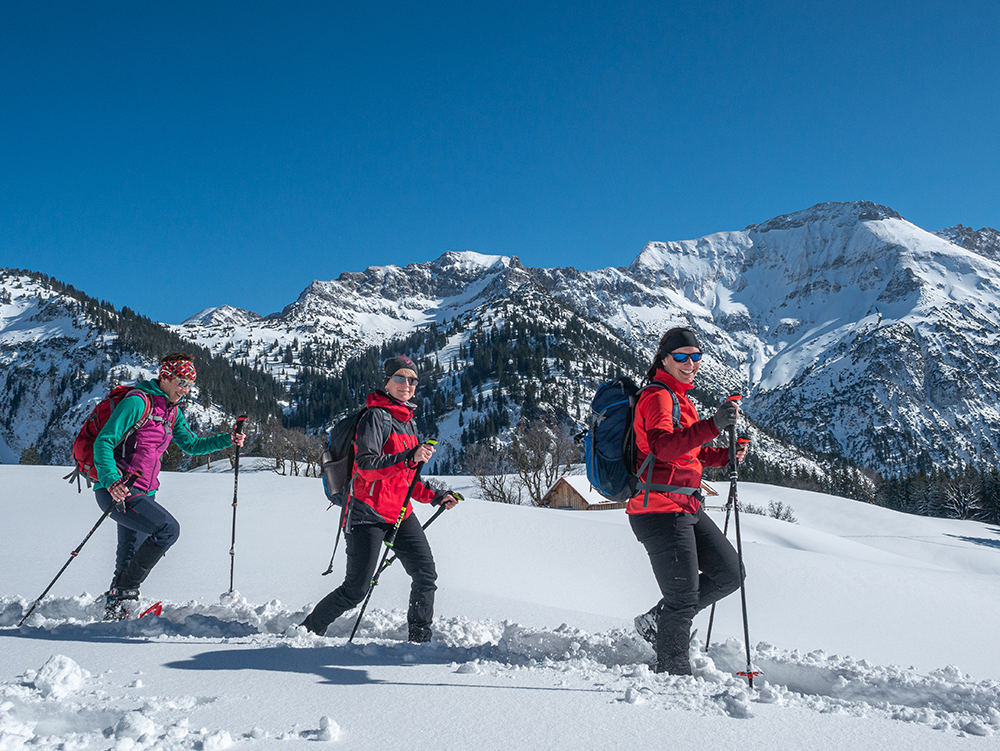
(533, 645)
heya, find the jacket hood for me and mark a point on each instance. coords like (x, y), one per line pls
(676, 386)
(402, 411)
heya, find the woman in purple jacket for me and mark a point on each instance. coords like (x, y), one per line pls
(128, 443)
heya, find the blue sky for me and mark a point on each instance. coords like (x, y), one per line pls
(176, 156)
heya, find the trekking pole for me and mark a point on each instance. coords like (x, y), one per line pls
(340, 528)
(389, 541)
(733, 476)
(725, 530)
(236, 486)
(386, 563)
(129, 482)
(425, 525)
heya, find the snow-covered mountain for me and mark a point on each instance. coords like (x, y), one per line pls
(858, 332)
(985, 241)
(61, 352)
(851, 331)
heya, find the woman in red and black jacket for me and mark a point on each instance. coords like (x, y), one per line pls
(694, 563)
(386, 458)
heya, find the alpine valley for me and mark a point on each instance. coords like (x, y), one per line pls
(855, 337)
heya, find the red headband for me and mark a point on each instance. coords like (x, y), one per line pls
(178, 369)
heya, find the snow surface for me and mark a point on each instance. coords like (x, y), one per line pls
(871, 628)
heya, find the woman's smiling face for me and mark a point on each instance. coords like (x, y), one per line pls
(402, 392)
(682, 371)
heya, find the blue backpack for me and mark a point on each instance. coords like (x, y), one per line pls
(609, 442)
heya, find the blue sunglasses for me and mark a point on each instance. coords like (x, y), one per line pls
(683, 356)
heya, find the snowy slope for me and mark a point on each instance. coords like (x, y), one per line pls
(872, 629)
(53, 363)
(355, 311)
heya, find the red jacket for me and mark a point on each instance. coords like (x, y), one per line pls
(678, 455)
(385, 468)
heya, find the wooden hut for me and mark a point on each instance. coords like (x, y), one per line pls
(575, 492)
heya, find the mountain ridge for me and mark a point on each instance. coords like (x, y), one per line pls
(848, 329)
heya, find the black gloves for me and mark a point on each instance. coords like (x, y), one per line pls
(726, 415)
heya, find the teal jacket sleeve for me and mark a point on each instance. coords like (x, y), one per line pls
(189, 443)
(126, 414)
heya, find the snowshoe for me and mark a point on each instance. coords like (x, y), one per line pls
(155, 610)
(120, 603)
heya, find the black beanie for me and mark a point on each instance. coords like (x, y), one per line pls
(677, 338)
(400, 362)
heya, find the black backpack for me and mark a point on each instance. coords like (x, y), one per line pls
(337, 461)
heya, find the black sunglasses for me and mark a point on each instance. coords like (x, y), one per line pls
(683, 356)
(405, 379)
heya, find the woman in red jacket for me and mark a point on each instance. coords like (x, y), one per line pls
(694, 563)
(386, 458)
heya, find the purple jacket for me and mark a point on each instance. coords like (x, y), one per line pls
(121, 449)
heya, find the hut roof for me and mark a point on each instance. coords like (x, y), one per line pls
(581, 485)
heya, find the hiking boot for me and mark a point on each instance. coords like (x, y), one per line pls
(645, 624)
(673, 642)
(119, 603)
(419, 634)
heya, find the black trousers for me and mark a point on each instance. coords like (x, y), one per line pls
(364, 549)
(694, 565)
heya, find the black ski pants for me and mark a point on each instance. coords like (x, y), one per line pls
(694, 565)
(143, 517)
(364, 549)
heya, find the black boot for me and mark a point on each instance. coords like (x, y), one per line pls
(315, 624)
(143, 560)
(419, 634)
(673, 636)
(645, 624)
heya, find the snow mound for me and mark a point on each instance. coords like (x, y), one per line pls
(59, 677)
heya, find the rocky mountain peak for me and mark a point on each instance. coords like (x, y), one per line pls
(837, 213)
(985, 241)
(224, 315)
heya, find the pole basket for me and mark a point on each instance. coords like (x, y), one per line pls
(749, 675)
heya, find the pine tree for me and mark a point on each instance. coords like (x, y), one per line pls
(30, 455)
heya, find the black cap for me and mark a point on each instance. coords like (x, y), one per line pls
(394, 364)
(677, 338)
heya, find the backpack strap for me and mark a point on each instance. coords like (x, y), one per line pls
(147, 409)
(386, 424)
(650, 460)
(675, 412)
